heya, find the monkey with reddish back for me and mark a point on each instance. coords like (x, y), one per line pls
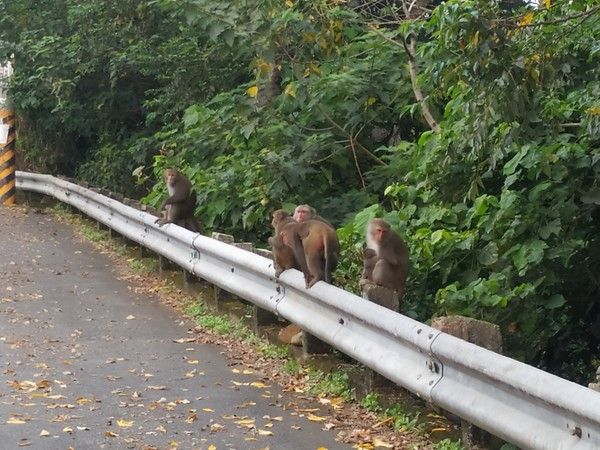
(314, 245)
(386, 259)
(180, 204)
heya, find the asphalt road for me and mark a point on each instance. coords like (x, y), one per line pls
(87, 363)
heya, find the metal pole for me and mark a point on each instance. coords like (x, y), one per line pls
(7, 157)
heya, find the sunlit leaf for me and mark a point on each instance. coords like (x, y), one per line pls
(265, 433)
(252, 91)
(125, 423)
(315, 418)
(15, 421)
(526, 19)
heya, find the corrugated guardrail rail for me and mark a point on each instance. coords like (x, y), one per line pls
(519, 403)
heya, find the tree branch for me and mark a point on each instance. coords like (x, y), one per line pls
(411, 51)
(349, 136)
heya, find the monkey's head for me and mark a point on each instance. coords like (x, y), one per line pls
(369, 253)
(304, 212)
(171, 176)
(379, 229)
(279, 216)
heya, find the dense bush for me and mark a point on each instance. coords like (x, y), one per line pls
(492, 177)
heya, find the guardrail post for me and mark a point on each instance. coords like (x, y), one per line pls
(483, 334)
(312, 345)
(370, 380)
(7, 157)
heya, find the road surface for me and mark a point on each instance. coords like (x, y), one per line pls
(87, 363)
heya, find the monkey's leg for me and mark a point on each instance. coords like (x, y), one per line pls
(316, 265)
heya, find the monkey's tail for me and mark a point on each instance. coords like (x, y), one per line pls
(330, 250)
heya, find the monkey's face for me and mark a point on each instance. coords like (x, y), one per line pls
(171, 177)
(302, 214)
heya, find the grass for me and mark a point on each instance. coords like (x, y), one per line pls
(335, 383)
(144, 266)
(292, 366)
(371, 402)
(201, 315)
(449, 444)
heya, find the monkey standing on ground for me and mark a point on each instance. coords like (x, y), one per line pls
(314, 245)
(386, 258)
(179, 206)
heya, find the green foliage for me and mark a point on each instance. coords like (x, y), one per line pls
(336, 383)
(448, 444)
(402, 419)
(371, 402)
(200, 313)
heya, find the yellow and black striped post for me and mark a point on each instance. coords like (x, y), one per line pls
(7, 158)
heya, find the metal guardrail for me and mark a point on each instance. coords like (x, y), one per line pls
(519, 403)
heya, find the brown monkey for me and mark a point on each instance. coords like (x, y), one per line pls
(314, 244)
(386, 257)
(369, 260)
(283, 255)
(179, 206)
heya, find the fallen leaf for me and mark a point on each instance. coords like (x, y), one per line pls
(111, 434)
(249, 423)
(157, 388)
(44, 433)
(259, 384)
(130, 317)
(193, 361)
(265, 433)
(212, 447)
(381, 443)
(67, 430)
(314, 418)
(15, 421)
(208, 410)
(184, 340)
(192, 418)
(125, 423)
(216, 427)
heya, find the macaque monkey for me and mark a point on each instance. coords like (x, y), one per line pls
(303, 213)
(385, 260)
(283, 255)
(369, 260)
(314, 244)
(179, 206)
